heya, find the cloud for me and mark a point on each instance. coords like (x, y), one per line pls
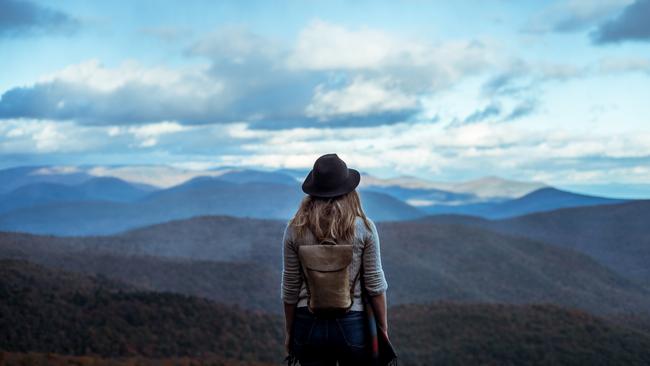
(360, 97)
(624, 64)
(92, 94)
(237, 45)
(554, 155)
(420, 65)
(519, 76)
(25, 18)
(573, 15)
(131, 93)
(246, 77)
(148, 134)
(522, 109)
(325, 77)
(252, 68)
(238, 82)
(631, 25)
(509, 82)
(522, 83)
(263, 81)
(341, 121)
(376, 75)
(491, 110)
(507, 149)
(29, 136)
(326, 46)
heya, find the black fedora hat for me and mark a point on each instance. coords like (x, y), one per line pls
(330, 177)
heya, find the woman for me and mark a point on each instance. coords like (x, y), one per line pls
(332, 209)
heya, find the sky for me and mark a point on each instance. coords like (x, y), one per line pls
(550, 91)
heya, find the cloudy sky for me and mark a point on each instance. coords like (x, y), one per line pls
(553, 91)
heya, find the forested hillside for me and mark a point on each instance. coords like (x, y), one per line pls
(55, 317)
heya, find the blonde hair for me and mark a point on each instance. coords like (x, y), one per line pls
(329, 218)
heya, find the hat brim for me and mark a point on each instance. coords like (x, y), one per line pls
(354, 177)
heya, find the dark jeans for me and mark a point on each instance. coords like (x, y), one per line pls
(324, 341)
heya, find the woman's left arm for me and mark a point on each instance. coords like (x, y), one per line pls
(291, 282)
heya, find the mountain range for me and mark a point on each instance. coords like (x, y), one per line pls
(616, 235)
(73, 201)
(165, 265)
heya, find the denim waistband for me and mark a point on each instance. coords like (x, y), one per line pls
(304, 311)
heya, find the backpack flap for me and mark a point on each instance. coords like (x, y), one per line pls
(325, 258)
(327, 275)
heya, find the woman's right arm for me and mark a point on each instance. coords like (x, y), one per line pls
(379, 307)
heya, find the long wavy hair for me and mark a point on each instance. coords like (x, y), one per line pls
(329, 218)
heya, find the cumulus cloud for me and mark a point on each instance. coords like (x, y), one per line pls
(93, 94)
(25, 18)
(360, 97)
(420, 65)
(237, 82)
(631, 25)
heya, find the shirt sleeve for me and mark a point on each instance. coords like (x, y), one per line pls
(373, 273)
(291, 276)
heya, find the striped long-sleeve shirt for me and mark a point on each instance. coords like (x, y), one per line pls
(293, 285)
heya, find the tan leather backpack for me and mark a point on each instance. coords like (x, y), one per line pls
(326, 270)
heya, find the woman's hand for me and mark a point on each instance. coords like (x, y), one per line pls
(287, 344)
(383, 329)
(289, 313)
(379, 307)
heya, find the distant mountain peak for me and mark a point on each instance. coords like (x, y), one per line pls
(489, 186)
(491, 178)
(56, 169)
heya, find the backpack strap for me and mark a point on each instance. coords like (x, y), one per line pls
(358, 276)
(354, 281)
(304, 279)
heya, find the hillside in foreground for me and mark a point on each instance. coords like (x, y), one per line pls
(499, 334)
(44, 310)
(53, 359)
(86, 320)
